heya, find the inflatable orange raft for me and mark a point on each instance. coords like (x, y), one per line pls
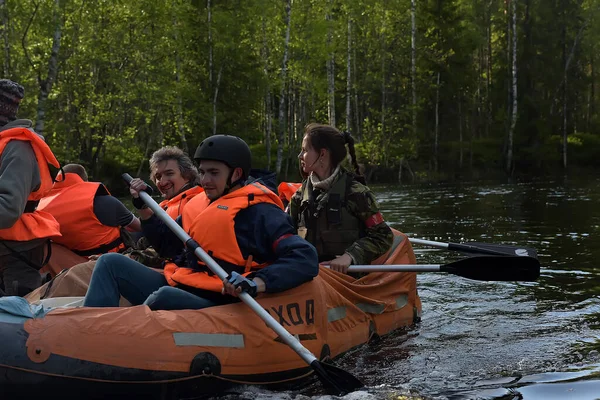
(132, 350)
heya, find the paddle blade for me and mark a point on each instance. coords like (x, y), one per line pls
(495, 268)
(493, 249)
(336, 380)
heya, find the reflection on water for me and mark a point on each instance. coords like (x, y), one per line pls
(492, 340)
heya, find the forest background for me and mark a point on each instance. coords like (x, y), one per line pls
(430, 89)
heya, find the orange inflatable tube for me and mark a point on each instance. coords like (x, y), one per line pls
(106, 346)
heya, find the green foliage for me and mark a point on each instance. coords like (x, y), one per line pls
(583, 149)
(136, 75)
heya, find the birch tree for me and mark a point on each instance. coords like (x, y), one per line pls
(268, 99)
(4, 33)
(513, 115)
(413, 63)
(282, 96)
(214, 88)
(120, 78)
(180, 121)
(330, 67)
(46, 83)
(349, 78)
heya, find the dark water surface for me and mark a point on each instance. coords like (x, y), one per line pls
(491, 340)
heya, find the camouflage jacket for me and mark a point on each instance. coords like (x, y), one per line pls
(311, 209)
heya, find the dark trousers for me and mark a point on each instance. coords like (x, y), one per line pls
(116, 275)
(19, 277)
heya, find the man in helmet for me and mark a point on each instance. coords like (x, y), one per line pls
(241, 224)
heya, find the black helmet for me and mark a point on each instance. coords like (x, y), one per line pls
(228, 149)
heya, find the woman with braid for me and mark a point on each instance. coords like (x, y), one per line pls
(334, 209)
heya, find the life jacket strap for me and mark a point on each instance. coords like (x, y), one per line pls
(248, 264)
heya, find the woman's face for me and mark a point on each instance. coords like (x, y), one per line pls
(308, 157)
(168, 178)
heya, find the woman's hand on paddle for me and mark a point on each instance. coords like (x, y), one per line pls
(136, 186)
(340, 264)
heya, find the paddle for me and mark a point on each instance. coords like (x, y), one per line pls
(335, 379)
(480, 268)
(480, 248)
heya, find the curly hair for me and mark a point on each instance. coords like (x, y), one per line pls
(186, 166)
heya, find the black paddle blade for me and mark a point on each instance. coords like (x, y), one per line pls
(495, 268)
(337, 381)
(493, 249)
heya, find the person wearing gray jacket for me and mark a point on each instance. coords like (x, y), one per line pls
(24, 179)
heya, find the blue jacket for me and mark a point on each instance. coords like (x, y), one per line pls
(261, 230)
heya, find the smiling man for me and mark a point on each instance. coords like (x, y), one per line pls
(240, 224)
(175, 176)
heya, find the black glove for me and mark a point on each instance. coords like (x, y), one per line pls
(247, 285)
(139, 203)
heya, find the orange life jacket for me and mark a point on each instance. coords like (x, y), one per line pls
(174, 206)
(36, 224)
(211, 224)
(71, 202)
(286, 190)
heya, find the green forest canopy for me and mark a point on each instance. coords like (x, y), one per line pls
(110, 81)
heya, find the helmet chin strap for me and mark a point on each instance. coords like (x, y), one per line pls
(230, 184)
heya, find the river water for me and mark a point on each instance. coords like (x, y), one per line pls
(490, 340)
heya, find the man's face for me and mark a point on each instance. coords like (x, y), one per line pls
(168, 178)
(213, 177)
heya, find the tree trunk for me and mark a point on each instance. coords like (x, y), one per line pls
(488, 80)
(349, 78)
(291, 128)
(413, 64)
(567, 63)
(513, 122)
(269, 127)
(591, 96)
(146, 155)
(564, 125)
(210, 45)
(4, 28)
(460, 132)
(478, 96)
(99, 146)
(180, 124)
(564, 91)
(400, 171)
(213, 88)
(356, 108)
(330, 71)
(508, 72)
(46, 84)
(282, 98)
(384, 140)
(180, 121)
(437, 123)
(383, 101)
(214, 102)
(268, 109)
